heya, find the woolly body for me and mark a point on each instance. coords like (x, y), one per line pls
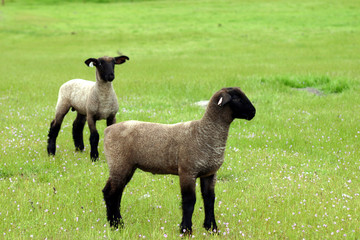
(173, 147)
(92, 100)
(86, 96)
(191, 150)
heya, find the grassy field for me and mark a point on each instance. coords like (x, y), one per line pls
(290, 173)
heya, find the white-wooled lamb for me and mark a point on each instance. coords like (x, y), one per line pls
(92, 100)
(190, 149)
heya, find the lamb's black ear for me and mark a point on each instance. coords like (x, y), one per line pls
(121, 59)
(224, 99)
(92, 62)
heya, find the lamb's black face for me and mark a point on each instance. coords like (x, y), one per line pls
(105, 66)
(240, 105)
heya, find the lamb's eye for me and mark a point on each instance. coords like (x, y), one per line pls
(236, 99)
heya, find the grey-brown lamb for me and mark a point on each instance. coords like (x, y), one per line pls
(191, 150)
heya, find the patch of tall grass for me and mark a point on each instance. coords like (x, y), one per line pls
(323, 83)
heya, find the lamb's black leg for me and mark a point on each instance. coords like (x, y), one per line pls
(53, 133)
(113, 191)
(94, 138)
(94, 142)
(112, 196)
(111, 120)
(208, 193)
(187, 184)
(78, 127)
(55, 126)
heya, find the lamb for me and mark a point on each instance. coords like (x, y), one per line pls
(92, 100)
(188, 149)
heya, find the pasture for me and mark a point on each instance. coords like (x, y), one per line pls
(293, 172)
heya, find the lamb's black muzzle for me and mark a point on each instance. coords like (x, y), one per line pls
(109, 77)
(251, 115)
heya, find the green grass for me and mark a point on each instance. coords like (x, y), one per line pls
(323, 83)
(290, 173)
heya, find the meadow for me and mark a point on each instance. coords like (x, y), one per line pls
(293, 172)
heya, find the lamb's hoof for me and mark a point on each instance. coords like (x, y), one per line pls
(212, 230)
(51, 154)
(51, 150)
(79, 149)
(94, 156)
(185, 231)
(116, 224)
